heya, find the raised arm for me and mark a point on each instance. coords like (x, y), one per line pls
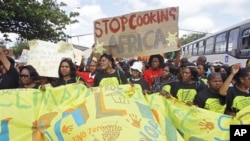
(223, 89)
(4, 59)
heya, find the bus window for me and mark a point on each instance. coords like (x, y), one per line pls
(245, 39)
(201, 47)
(232, 41)
(245, 49)
(220, 43)
(183, 50)
(190, 49)
(195, 49)
(209, 45)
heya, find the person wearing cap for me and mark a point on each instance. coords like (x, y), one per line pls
(136, 76)
(9, 77)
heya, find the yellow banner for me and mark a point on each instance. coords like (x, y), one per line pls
(194, 123)
(111, 113)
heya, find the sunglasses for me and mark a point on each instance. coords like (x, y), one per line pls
(23, 76)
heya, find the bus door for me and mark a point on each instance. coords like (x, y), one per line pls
(244, 42)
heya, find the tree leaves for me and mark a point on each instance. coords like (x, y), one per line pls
(191, 37)
(33, 19)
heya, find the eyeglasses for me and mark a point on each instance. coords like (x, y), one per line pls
(23, 76)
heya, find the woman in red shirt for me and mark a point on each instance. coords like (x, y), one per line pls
(155, 63)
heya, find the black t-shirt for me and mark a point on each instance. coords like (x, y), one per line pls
(61, 81)
(9, 80)
(210, 100)
(36, 86)
(184, 92)
(236, 99)
(159, 83)
(104, 79)
(142, 82)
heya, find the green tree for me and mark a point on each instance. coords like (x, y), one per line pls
(184, 40)
(18, 48)
(35, 19)
(191, 37)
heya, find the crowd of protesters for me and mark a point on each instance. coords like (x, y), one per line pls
(211, 85)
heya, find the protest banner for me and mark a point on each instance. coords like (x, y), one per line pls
(193, 123)
(117, 113)
(139, 33)
(46, 56)
(74, 112)
(78, 55)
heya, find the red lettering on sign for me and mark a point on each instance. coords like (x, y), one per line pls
(131, 25)
(98, 31)
(133, 21)
(124, 21)
(114, 25)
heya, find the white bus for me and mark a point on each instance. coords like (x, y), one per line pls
(229, 46)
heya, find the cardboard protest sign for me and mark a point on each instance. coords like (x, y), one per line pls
(139, 33)
(110, 113)
(46, 56)
(78, 54)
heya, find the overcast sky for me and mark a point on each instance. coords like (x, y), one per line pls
(197, 15)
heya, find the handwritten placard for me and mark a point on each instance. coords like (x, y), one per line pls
(140, 33)
(46, 56)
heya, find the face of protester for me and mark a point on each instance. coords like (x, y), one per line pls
(186, 75)
(25, 76)
(166, 72)
(215, 83)
(201, 70)
(222, 70)
(65, 69)
(105, 63)
(155, 63)
(135, 73)
(93, 67)
(246, 80)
